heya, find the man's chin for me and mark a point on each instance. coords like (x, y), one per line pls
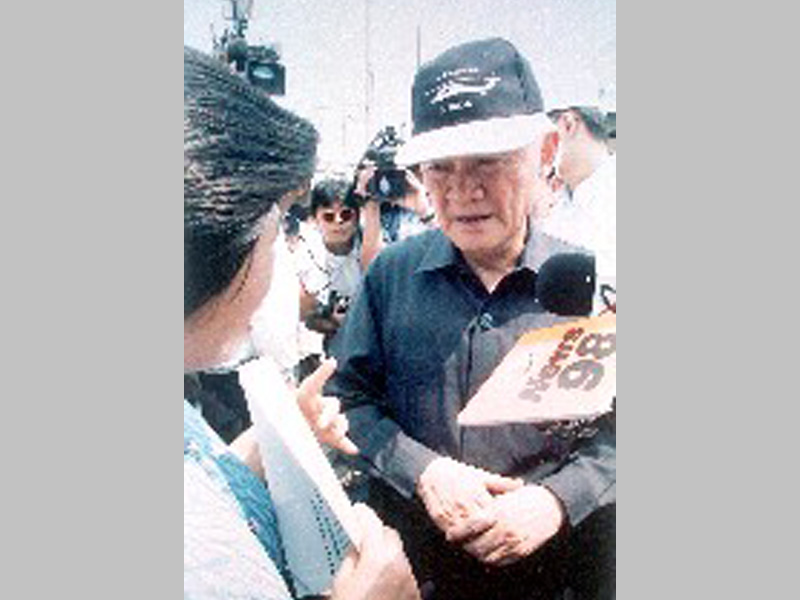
(485, 249)
(471, 240)
(472, 248)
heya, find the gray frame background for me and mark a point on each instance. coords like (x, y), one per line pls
(91, 301)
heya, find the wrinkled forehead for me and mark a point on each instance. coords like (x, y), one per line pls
(520, 156)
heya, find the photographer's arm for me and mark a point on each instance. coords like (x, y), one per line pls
(372, 240)
(417, 198)
(372, 237)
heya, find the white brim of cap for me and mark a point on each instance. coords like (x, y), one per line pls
(490, 136)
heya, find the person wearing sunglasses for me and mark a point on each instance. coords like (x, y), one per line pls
(331, 265)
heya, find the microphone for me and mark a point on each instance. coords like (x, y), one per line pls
(565, 284)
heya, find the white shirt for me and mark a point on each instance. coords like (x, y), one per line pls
(321, 271)
(589, 218)
(275, 325)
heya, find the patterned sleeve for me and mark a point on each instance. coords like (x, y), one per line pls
(230, 538)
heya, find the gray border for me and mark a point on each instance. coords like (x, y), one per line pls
(696, 213)
(91, 514)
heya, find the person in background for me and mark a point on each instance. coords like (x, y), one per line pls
(244, 159)
(587, 214)
(332, 263)
(296, 218)
(512, 511)
(404, 206)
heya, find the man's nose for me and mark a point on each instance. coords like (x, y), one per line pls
(465, 185)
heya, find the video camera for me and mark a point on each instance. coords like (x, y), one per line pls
(335, 304)
(259, 64)
(389, 183)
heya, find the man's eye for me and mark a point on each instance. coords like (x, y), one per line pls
(489, 162)
(436, 168)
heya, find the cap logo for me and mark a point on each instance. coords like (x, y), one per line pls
(476, 98)
(466, 81)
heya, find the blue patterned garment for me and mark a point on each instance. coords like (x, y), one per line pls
(231, 543)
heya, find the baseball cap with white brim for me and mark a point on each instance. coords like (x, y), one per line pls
(474, 99)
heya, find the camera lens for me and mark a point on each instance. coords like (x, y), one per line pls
(389, 183)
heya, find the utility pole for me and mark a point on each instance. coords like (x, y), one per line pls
(367, 75)
(241, 13)
(419, 45)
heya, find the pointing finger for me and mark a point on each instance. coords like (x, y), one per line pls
(309, 390)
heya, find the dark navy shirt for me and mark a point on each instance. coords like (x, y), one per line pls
(421, 336)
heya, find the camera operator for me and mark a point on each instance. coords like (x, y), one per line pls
(331, 265)
(403, 202)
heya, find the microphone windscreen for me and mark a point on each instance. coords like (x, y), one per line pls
(565, 284)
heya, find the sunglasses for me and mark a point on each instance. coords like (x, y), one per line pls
(345, 215)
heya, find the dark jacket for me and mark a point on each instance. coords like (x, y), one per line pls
(420, 338)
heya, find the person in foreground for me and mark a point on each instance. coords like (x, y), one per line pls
(244, 158)
(513, 511)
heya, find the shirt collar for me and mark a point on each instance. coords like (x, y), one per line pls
(441, 253)
(538, 248)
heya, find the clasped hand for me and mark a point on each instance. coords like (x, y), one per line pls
(496, 519)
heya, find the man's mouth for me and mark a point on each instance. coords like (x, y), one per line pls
(472, 219)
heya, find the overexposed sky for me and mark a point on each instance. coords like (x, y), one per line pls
(350, 63)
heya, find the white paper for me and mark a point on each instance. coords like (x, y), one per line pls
(315, 516)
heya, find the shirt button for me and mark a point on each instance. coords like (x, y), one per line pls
(486, 321)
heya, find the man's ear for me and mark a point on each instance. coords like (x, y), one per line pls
(570, 122)
(549, 151)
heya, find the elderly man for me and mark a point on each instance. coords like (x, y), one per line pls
(493, 511)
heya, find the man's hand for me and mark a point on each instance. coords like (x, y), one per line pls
(323, 413)
(378, 569)
(245, 447)
(453, 491)
(365, 173)
(416, 197)
(512, 527)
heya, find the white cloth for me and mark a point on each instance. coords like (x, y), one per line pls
(589, 218)
(275, 326)
(320, 271)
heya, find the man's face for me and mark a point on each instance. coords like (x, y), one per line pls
(338, 223)
(482, 202)
(568, 153)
